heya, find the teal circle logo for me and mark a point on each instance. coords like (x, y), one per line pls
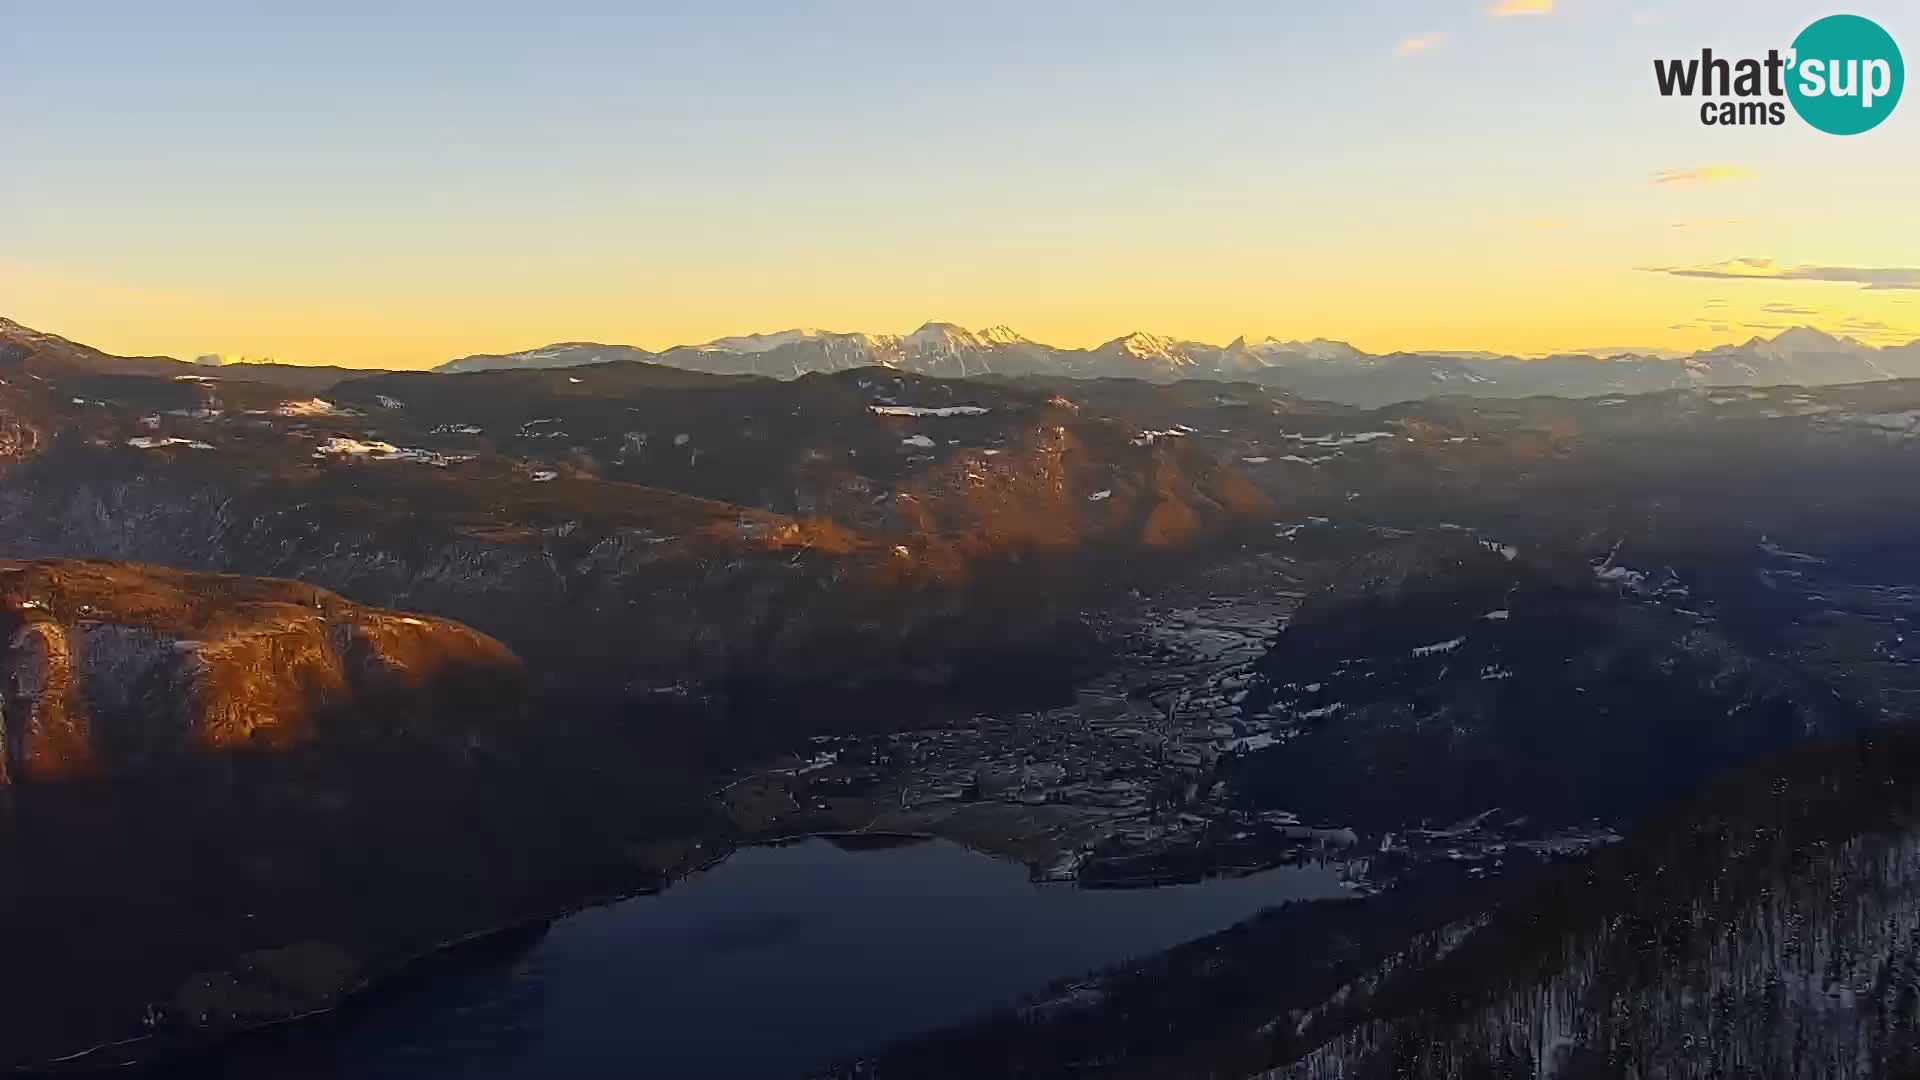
(1846, 76)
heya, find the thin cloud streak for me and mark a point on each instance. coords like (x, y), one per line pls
(1873, 278)
(1706, 174)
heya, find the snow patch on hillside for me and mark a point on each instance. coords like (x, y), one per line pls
(311, 407)
(1439, 647)
(376, 450)
(149, 442)
(919, 410)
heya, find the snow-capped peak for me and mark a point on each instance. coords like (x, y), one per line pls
(1785, 344)
(759, 343)
(940, 337)
(1146, 346)
(1808, 339)
(1002, 335)
(1315, 349)
(932, 338)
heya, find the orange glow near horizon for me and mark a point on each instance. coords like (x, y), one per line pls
(1497, 310)
(1308, 174)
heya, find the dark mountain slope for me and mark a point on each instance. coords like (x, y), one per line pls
(1438, 679)
(1768, 927)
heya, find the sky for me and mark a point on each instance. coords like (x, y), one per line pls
(399, 184)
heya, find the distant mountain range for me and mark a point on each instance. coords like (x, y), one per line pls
(1320, 368)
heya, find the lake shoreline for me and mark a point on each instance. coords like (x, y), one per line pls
(147, 1051)
(83, 1062)
(165, 1052)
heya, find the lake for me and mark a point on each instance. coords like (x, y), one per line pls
(775, 960)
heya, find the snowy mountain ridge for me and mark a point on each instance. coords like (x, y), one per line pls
(1319, 367)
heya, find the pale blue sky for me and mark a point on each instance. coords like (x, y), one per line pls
(392, 183)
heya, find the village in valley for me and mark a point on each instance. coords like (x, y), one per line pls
(1122, 787)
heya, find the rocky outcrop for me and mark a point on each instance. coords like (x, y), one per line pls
(18, 440)
(109, 665)
(227, 800)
